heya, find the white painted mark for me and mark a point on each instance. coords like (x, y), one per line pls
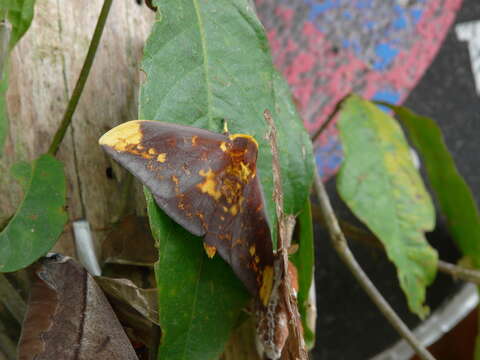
(470, 32)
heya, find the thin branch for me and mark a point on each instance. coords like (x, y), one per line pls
(82, 79)
(341, 246)
(327, 123)
(295, 345)
(459, 272)
(367, 238)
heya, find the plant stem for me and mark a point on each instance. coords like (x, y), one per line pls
(11, 299)
(367, 238)
(82, 79)
(459, 272)
(327, 123)
(341, 246)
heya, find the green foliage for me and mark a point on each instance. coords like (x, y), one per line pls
(200, 300)
(19, 14)
(454, 196)
(380, 184)
(39, 220)
(206, 62)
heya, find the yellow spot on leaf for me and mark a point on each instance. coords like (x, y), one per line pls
(210, 250)
(162, 157)
(209, 184)
(267, 284)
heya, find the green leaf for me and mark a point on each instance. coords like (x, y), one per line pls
(39, 220)
(19, 14)
(380, 184)
(199, 301)
(206, 62)
(454, 196)
(304, 261)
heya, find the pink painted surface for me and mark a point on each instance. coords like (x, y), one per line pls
(321, 70)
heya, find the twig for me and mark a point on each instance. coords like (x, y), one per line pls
(365, 237)
(341, 246)
(82, 79)
(295, 344)
(327, 123)
(459, 272)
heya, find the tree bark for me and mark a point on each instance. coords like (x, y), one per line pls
(44, 67)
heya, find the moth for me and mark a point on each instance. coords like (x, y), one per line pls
(208, 183)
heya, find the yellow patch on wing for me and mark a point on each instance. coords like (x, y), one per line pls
(123, 137)
(223, 146)
(234, 210)
(194, 140)
(245, 172)
(267, 284)
(209, 185)
(162, 157)
(252, 250)
(210, 250)
(248, 137)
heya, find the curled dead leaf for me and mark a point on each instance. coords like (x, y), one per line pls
(68, 317)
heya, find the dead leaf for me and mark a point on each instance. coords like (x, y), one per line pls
(68, 317)
(124, 290)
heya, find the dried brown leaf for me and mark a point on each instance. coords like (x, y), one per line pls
(68, 317)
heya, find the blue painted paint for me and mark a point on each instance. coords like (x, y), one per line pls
(317, 9)
(386, 54)
(347, 15)
(364, 4)
(328, 156)
(386, 95)
(400, 22)
(369, 25)
(416, 15)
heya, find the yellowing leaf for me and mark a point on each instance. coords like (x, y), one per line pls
(380, 184)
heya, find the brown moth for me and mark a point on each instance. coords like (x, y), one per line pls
(208, 183)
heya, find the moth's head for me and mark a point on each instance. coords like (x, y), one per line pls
(244, 147)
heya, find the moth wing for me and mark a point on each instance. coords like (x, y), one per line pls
(169, 159)
(244, 241)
